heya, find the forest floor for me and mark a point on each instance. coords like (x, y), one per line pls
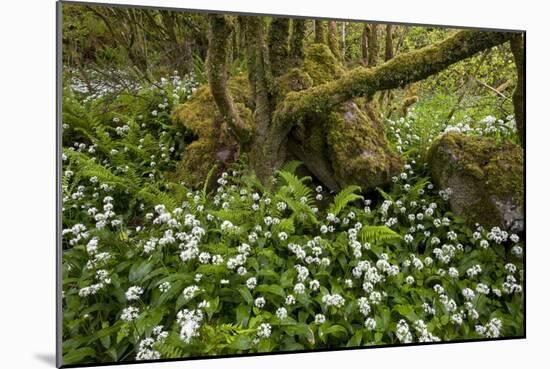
(154, 269)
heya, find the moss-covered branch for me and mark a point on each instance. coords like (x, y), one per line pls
(218, 44)
(398, 72)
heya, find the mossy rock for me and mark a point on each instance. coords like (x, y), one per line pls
(485, 177)
(359, 150)
(215, 145)
(321, 65)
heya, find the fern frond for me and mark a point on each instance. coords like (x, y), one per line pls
(154, 196)
(169, 351)
(378, 234)
(297, 186)
(384, 194)
(90, 168)
(291, 166)
(343, 198)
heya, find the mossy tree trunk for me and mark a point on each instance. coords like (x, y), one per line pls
(389, 43)
(297, 42)
(518, 49)
(320, 31)
(275, 115)
(219, 43)
(278, 45)
(372, 45)
(365, 45)
(333, 39)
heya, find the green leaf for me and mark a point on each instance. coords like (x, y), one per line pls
(243, 315)
(336, 330)
(241, 342)
(264, 345)
(246, 295)
(407, 311)
(355, 340)
(139, 270)
(78, 355)
(272, 289)
(301, 330)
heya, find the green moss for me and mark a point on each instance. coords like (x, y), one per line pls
(321, 65)
(214, 144)
(485, 176)
(359, 149)
(294, 80)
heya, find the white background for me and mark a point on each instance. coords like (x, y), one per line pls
(27, 181)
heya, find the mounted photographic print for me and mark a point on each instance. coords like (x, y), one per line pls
(234, 184)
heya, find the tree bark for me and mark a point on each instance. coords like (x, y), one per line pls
(320, 32)
(333, 39)
(364, 45)
(373, 45)
(517, 44)
(278, 45)
(297, 41)
(216, 63)
(268, 147)
(389, 43)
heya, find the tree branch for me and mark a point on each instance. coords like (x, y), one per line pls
(397, 72)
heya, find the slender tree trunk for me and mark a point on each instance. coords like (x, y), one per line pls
(250, 54)
(268, 148)
(333, 39)
(216, 63)
(320, 31)
(278, 45)
(343, 41)
(365, 45)
(373, 45)
(389, 43)
(517, 45)
(297, 41)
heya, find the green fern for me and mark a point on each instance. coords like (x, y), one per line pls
(384, 194)
(296, 186)
(90, 168)
(343, 198)
(291, 166)
(378, 234)
(169, 351)
(154, 196)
